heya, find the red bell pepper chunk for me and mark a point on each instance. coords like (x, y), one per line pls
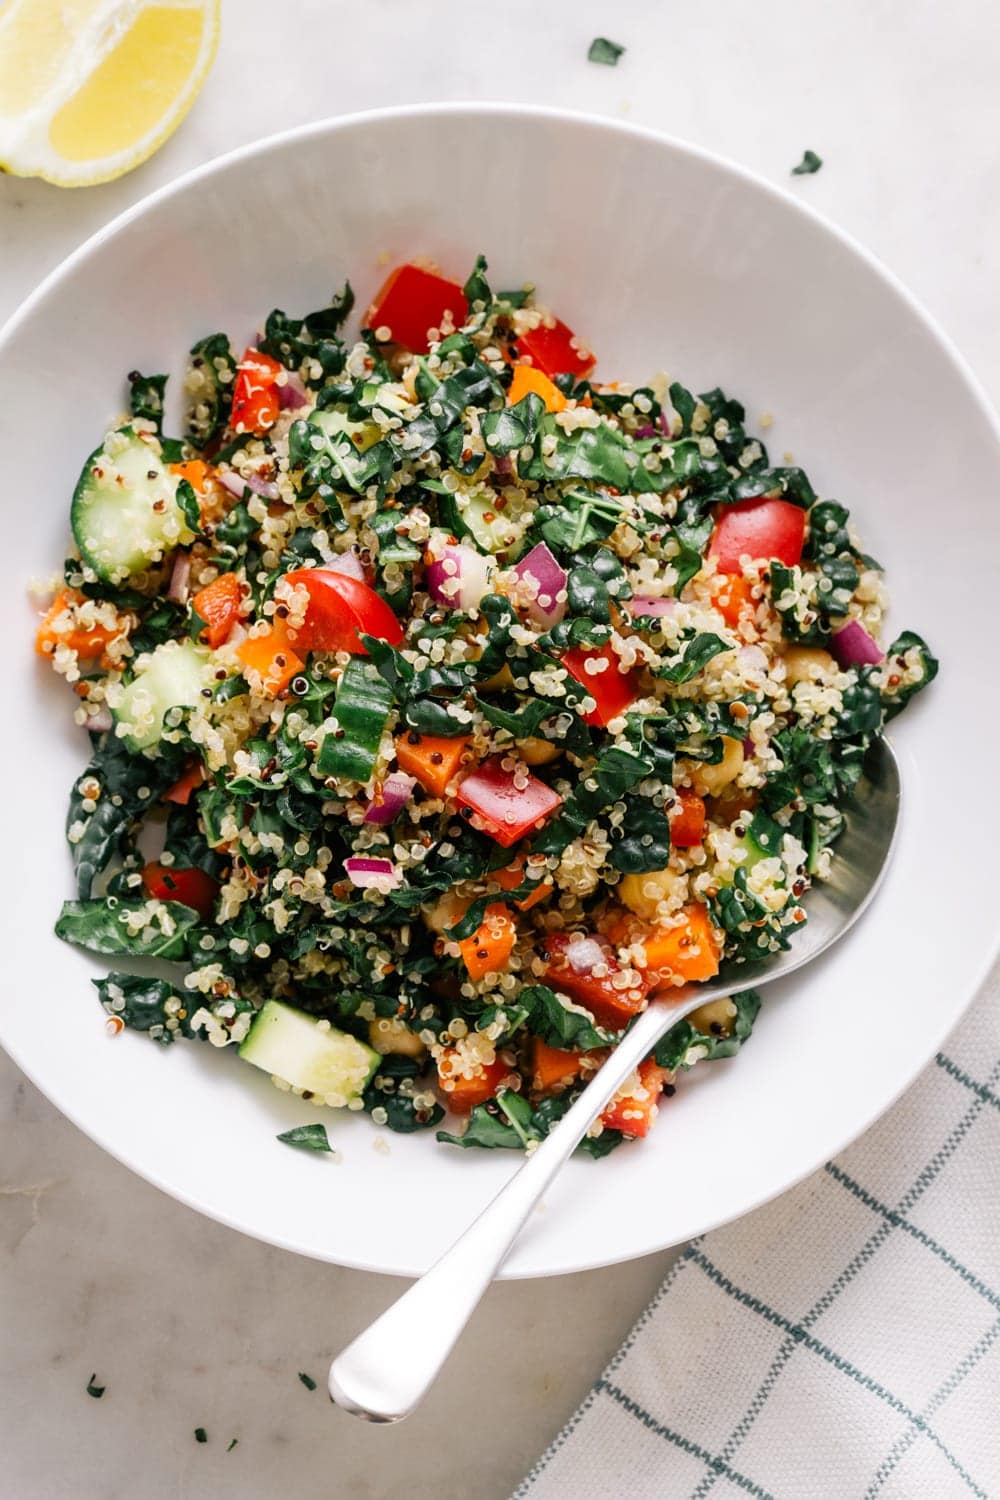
(191, 887)
(633, 1114)
(570, 967)
(508, 804)
(556, 351)
(461, 1093)
(255, 399)
(189, 781)
(218, 604)
(687, 820)
(761, 529)
(339, 608)
(611, 689)
(412, 302)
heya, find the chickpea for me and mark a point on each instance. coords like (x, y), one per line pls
(643, 893)
(536, 752)
(391, 1036)
(807, 664)
(708, 781)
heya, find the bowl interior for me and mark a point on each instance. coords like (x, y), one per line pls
(664, 259)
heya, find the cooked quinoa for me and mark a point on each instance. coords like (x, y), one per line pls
(447, 703)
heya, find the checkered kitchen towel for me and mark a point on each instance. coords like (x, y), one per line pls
(841, 1343)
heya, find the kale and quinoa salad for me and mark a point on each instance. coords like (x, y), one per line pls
(474, 702)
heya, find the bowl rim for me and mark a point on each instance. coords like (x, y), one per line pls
(499, 109)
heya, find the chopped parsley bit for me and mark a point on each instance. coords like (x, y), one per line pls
(307, 1381)
(603, 51)
(232, 1444)
(93, 1389)
(810, 163)
(307, 1137)
(200, 1435)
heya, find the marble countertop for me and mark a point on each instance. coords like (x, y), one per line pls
(185, 1323)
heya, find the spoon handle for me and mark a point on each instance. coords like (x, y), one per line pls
(389, 1368)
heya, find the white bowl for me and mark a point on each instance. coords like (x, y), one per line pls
(662, 257)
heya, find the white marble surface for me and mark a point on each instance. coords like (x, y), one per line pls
(187, 1323)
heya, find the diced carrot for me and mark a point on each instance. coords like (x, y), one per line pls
(687, 820)
(53, 631)
(732, 595)
(218, 604)
(552, 1066)
(461, 1093)
(182, 788)
(689, 951)
(196, 471)
(528, 379)
(431, 758)
(633, 1114)
(491, 945)
(511, 876)
(272, 658)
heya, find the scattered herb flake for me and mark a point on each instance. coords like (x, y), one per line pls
(810, 163)
(307, 1381)
(608, 53)
(93, 1389)
(232, 1444)
(200, 1435)
(306, 1137)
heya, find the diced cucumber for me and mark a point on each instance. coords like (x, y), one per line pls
(125, 513)
(476, 516)
(172, 677)
(309, 1054)
(336, 424)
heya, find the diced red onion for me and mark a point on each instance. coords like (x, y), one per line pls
(665, 423)
(645, 604)
(100, 722)
(646, 432)
(458, 576)
(265, 488)
(179, 575)
(585, 953)
(503, 463)
(292, 394)
(237, 634)
(539, 565)
(748, 748)
(854, 647)
(397, 790)
(347, 563)
(234, 483)
(365, 873)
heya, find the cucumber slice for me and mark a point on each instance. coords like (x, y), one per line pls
(336, 424)
(309, 1054)
(125, 514)
(173, 677)
(492, 530)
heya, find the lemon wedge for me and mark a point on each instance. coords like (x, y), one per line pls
(90, 88)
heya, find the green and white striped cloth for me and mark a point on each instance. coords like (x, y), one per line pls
(841, 1343)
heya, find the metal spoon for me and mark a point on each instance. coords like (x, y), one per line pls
(388, 1369)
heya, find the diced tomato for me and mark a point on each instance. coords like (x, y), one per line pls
(255, 399)
(461, 1093)
(556, 351)
(633, 1114)
(432, 759)
(218, 604)
(611, 689)
(551, 1067)
(508, 804)
(526, 380)
(180, 792)
(59, 628)
(687, 820)
(192, 887)
(339, 607)
(762, 529)
(733, 595)
(490, 946)
(512, 875)
(570, 968)
(412, 302)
